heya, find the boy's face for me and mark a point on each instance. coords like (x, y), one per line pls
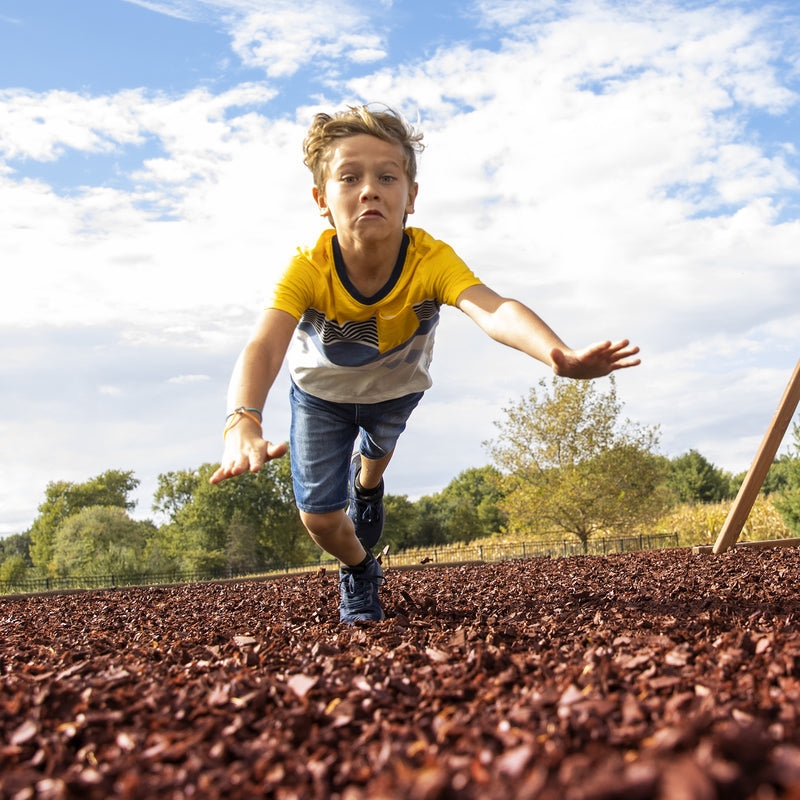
(367, 193)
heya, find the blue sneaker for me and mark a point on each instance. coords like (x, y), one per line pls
(359, 593)
(366, 510)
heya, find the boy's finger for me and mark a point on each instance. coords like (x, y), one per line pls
(276, 450)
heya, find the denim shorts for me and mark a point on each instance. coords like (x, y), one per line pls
(321, 441)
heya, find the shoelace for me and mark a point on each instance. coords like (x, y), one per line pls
(369, 511)
(360, 590)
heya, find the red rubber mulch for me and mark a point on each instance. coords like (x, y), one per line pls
(625, 677)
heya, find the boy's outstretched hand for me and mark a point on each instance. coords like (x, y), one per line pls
(245, 455)
(594, 361)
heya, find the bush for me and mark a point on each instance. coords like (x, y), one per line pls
(99, 540)
(13, 569)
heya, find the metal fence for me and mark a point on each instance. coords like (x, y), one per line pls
(545, 548)
(446, 554)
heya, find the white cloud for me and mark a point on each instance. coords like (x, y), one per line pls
(195, 231)
(283, 36)
(189, 379)
(319, 33)
(180, 9)
(43, 126)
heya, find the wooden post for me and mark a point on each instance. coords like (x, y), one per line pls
(754, 480)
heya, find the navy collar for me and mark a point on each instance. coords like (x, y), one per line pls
(385, 289)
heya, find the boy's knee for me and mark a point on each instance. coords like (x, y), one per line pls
(323, 525)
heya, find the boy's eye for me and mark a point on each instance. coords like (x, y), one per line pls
(388, 178)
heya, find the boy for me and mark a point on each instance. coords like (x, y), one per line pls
(357, 314)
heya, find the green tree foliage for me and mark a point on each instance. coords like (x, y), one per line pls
(467, 508)
(408, 524)
(787, 500)
(248, 523)
(471, 505)
(15, 559)
(694, 479)
(569, 465)
(781, 475)
(13, 569)
(64, 499)
(400, 530)
(175, 490)
(100, 540)
(17, 544)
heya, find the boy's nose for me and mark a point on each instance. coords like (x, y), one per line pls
(368, 190)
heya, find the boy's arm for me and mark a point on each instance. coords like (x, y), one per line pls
(253, 376)
(514, 324)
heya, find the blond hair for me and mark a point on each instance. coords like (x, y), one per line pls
(386, 124)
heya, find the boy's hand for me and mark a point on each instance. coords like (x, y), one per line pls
(594, 361)
(245, 451)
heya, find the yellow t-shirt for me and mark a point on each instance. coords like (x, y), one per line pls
(348, 348)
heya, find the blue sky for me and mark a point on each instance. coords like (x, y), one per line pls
(627, 169)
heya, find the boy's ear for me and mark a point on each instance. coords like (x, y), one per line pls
(319, 199)
(412, 197)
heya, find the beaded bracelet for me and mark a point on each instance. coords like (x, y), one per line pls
(237, 414)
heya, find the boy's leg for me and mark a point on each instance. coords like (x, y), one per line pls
(366, 498)
(321, 441)
(380, 427)
(322, 436)
(360, 575)
(335, 534)
(372, 470)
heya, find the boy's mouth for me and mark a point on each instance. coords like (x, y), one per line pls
(371, 214)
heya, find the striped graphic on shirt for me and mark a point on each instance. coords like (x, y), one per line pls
(330, 332)
(426, 310)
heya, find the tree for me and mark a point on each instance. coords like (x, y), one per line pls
(569, 465)
(410, 524)
(401, 522)
(778, 478)
(17, 544)
(283, 539)
(13, 569)
(64, 499)
(787, 501)
(463, 523)
(15, 560)
(695, 479)
(429, 527)
(470, 505)
(246, 523)
(100, 540)
(241, 545)
(781, 475)
(175, 490)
